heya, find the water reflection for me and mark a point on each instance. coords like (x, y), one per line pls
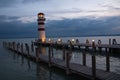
(42, 71)
(83, 57)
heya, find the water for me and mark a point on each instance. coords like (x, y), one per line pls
(14, 66)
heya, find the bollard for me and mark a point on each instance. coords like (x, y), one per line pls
(93, 66)
(99, 42)
(87, 41)
(114, 42)
(107, 62)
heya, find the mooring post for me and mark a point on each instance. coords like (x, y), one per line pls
(67, 63)
(63, 52)
(93, 61)
(49, 55)
(84, 59)
(107, 62)
(22, 48)
(37, 54)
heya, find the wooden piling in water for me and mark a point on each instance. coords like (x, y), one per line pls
(27, 49)
(93, 62)
(67, 63)
(93, 66)
(49, 55)
(32, 46)
(37, 54)
(107, 62)
(22, 48)
(84, 59)
(63, 52)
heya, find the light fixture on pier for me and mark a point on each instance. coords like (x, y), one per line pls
(50, 40)
(59, 40)
(73, 40)
(93, 42)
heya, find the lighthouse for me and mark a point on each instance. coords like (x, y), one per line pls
(41, 27)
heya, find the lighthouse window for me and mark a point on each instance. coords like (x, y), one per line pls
(40, 15)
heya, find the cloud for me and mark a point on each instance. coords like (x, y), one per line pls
(16, 28)
(83, 26)
(7, 3)
(33, 1)
(29, 19)
(65, 27)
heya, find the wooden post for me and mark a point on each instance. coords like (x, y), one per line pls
(107, 62)
(51, 49)
(18, 45)
(22, 48)
(93, 61)
(100, 49)
(93, 66)
(37, 54)
(63, 53)
(67, 63)
(32, 47)
(49, 55)
(93, 45)
(109, 41)
(27, 49)
(28, 52)
(84, 59)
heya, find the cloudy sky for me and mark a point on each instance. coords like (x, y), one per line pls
(18, 18)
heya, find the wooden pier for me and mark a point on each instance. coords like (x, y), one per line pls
(108, 47)
(69, 67)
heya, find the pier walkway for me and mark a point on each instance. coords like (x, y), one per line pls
(69, 67)
(99, 47)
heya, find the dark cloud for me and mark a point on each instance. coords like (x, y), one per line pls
(66, 27)
(84, 26)
(32, 1)
(7, 3)
(16, 28)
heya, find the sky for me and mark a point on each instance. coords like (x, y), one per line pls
(18, 18)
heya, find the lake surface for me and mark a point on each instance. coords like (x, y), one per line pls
(14, 66)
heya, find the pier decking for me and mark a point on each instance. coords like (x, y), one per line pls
(69, 67)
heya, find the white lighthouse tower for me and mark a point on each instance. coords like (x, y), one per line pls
(41, 27)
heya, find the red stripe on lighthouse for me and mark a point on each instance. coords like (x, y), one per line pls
(41, 29)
